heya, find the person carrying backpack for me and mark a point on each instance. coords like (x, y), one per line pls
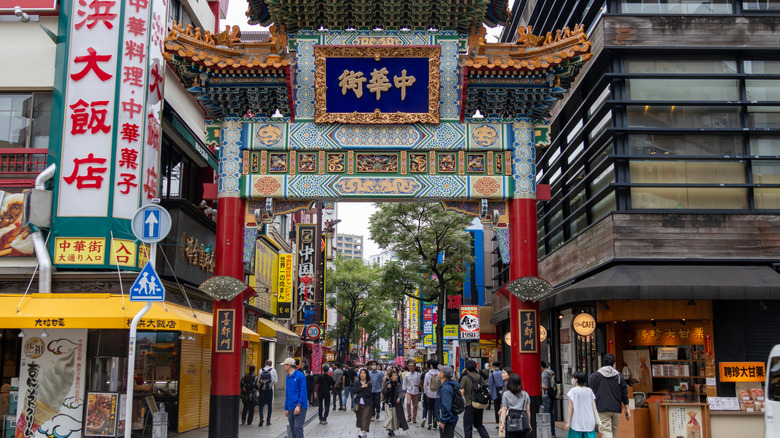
(449, 403)
(431, 378)
(323, 387)
(266, 384)
(549, 394)
(338, 390)
(476, 396)
(248, 395)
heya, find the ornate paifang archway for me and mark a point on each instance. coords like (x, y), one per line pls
(353, 126)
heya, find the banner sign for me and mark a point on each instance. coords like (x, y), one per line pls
(450, 332)
(304, 297)
(469, 323)
(529, 337)
(377, 85)
(742, 372)
(284, 300)
(52, 386)
(414, 317)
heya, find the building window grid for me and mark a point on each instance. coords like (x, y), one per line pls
(563, 192)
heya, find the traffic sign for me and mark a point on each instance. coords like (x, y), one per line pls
(151, 223)
(147, 287)
(313, 331)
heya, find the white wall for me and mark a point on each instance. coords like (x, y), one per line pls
(182, 102)
(28, 56)
(201, 14)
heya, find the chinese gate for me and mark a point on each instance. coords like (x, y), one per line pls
(385, 114)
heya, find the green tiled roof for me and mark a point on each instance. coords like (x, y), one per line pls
(459, 15)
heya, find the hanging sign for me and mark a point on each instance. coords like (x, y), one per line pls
(584, 324)
(225, 327)
(284, 299)
(529, 338)
(304, 297)
(469, 323)
(377, 85)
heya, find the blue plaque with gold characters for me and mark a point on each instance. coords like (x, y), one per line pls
(377, 84)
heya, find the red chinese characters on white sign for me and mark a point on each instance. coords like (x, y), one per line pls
(88, 124)
(154, 101)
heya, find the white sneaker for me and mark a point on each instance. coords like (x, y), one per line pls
(422, 423)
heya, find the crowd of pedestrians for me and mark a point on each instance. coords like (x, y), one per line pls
(374, 389)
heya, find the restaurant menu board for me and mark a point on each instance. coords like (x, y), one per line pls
(101, 414)
(723, 403)
(51, 383)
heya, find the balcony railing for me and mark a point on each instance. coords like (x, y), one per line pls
(20, 162)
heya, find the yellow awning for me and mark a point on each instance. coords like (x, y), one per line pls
(248, 335)
(270, 329)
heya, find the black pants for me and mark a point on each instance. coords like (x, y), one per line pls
(497, 406)
(266, 399)
(338, 395)
(376, 398)
(473, 418)
(432, 411)
(516, 434)
(448, 431)
(248, 413)
(324, 407)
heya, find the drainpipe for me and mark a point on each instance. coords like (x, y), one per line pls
(41, 253)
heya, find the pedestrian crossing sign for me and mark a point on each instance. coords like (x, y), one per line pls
(147, 287)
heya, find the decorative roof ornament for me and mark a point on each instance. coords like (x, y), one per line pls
(223, 287)
(529, 288)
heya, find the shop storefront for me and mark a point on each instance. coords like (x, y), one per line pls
(70, 369)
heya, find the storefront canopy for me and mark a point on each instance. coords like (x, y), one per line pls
(100, 311)
(658, 282)
(269, 329)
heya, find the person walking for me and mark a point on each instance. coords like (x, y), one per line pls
(338, 389)
(412, 388)
(515, 403)
(393, 396)
(472, 416)
(365, 401)
(266, 383)
(443, 403)
(548, 398)
(431, 393)
(348, 379)
(249, 396)
(322, 389)
(310, 384)
(377, 377)
(296, 400)
(496, 385)
(611, 396)
(583, 415)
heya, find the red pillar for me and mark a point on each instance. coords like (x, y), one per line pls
(226, 367)
(523, 262)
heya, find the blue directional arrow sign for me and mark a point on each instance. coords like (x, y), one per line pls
(147, 287)
(151, 223)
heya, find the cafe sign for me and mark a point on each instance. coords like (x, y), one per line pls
(584, 324)
(377, 84)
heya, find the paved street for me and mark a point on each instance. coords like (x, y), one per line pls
(341, 424)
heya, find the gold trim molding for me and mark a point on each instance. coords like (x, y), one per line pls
(321, 114)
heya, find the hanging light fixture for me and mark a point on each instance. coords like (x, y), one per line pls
(45, 334)
(21, 333)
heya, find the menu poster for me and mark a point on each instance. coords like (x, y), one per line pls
(51, 383)
(101, 414)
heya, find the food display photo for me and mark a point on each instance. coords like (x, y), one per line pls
(101, 414)
(15, 240)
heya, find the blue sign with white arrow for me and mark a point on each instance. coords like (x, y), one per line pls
(147, 287)
(151, 223)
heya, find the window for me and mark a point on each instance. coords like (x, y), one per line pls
(674, 66)
(682, 89)
(762, 89)
(698, 7)
(762, 67)
(689, 198)
(574, 131)
(25, 120)
(707, 145)
(767, 198)
(691, 117)
(603, 207)
(764, 145)
(764, 117)
(601, 126)
(687, 172)
(766, 172)
(599, 100)
(761, 5)
(603, 180)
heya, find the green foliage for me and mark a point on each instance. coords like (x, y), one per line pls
(432, 248)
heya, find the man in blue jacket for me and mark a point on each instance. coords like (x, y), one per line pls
(376, 377)
(443, 408)
(296, 398)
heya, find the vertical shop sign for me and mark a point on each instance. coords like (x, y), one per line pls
(225, 328)
(305, 271)
(529, 338)
(414, 315)
(469, 323)
(284, 300)
(51, 383)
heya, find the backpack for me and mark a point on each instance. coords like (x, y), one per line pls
(435, 383)
(265, 380)
(458, 403)
(556, 389)
(481, 394)
(248, 388)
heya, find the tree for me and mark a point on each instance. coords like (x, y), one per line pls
(351, 283)
(378, 321)
(432, 248)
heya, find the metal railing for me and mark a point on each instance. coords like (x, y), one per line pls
(18, 161)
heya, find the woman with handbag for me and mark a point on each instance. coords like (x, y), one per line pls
(393, 395)
(364, 404)
(583, 415)
(515, 409)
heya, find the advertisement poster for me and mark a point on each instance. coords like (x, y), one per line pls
(474, 350)
(469, 323)
(52, 384)
(101, 414)
(284, 300)
(638, 363)
(685, 421)
(15, 240)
